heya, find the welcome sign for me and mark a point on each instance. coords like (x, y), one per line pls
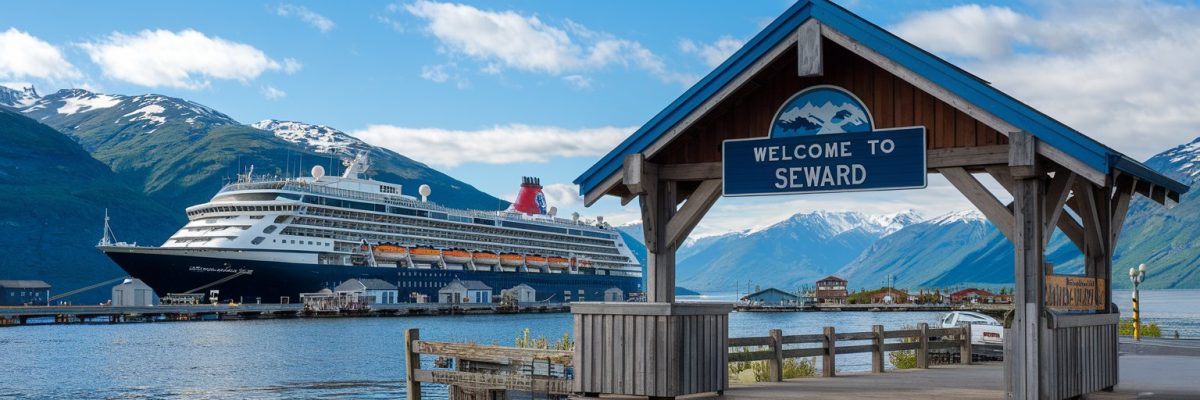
(823, 140)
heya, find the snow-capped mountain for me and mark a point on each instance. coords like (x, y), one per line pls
(320, 138)
(794, 251)
(1181, 162)
(14, 98)
(78, 110)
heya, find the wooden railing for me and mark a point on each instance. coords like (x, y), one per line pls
(478, 370)
(827, 346)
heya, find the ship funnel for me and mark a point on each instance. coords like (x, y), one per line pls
(530, 199)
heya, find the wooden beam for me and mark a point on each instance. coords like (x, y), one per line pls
(1089, 212)
(967, 157)
(690, 172)
(610, 183)
(1031, 368)
(1120, 207)
(1056, 198)
(983, 199)
(808, 50)
(1068, 226)
(1022, 155)
(681, 225)
(660, 262)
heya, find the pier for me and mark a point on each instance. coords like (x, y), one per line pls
(13, 316)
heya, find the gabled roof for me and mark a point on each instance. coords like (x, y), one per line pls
(772, 290)
(24, 284)
(832, 278)
(953, 79)
(469, 285)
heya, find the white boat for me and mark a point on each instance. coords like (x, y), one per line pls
(985, 330)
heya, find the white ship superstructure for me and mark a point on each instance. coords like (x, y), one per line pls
(349, 221)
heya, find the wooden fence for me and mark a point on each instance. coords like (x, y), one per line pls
(827, 346)
(511, 368)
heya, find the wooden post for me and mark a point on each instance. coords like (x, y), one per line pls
(412, 362)
(877, 354)
(775, 364)
(1028, 200)
(923, 351)
(830, 359)
(964, 355)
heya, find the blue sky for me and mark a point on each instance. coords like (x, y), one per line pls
(489, 91)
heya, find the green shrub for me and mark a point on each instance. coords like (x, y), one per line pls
(757, 371)
(1149, 329)
(526, 342)
(904, 359)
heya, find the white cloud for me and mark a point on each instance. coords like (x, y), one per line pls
(24, 56)
(503, 144)
(1121, 72)
(512, 40)
(186, 59)
(271, 93)
(562, 195)
(713, 53)
(968, 30)
(291, 65)
(312, 18)
(578, 81)
(436, 73)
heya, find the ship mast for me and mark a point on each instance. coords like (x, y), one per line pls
(108, 239)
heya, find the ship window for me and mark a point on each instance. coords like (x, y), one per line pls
(280, 219)
(269, 229)
(257, 240)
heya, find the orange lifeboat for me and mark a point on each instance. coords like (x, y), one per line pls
(557, 262)
(511, 260)
(483, 257)
(534, 260)
(425, 254)
(456, 256)
(390, 252)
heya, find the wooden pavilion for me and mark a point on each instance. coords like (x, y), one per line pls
(673, 167)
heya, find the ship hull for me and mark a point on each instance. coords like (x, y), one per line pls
(270, 281)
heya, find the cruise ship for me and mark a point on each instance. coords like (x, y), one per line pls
(265, 239)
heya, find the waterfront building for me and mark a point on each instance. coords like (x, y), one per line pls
(974, 295)
(614, 294)
(890, 296)
(521, 293)
(773, 297)
(458, 291)
(24, 292)
(374, 291)
(132, 292)
(832, 290)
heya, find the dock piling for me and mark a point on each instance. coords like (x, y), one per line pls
(964, 351)
(412, 361)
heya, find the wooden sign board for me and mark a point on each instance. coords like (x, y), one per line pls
(1075, 293)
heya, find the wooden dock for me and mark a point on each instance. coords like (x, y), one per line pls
(13, 316)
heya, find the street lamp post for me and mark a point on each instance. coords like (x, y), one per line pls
(1137, 275)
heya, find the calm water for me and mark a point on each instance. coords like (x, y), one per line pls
(352, 357)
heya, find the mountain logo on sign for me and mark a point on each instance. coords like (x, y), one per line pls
(821, 110)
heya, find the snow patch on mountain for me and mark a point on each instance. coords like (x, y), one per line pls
(87, 101)
(969, 216)
(1183, 158)
(828, 224)
(150, 113)
(321, 138)
(17, 96)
